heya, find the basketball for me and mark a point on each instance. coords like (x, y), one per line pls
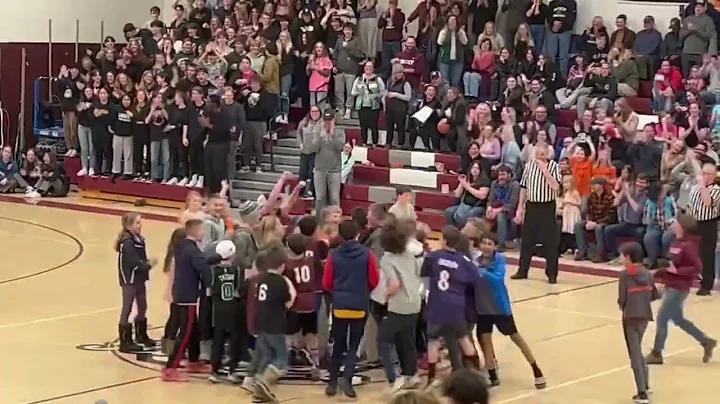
(225, 249)
(443, 127)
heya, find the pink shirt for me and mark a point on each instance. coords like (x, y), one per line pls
(318, 82)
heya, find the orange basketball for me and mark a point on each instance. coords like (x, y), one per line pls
(443, 127)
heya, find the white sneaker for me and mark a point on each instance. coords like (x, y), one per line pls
(73, 152)
(200, 182)
(347, 114)
(183, 182)
(193, 181)
(248, 384)
(33, 194)
(412, 383)
(91, 172)
(164, 181)
(398, 385)
(29, 190)
(279, 119)
(172, 181)
(69, 153)
(83, 172)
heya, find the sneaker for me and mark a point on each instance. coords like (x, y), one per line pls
(397, 385)
(580, 256)
(172, 375)
(215, 378)
(183, 182)
(654, 358)
(172, 181)
(234, 378)
(193, 181)
(33, 194)
(704, 292)
(198, 368)
(272, 374)
(68, 153)
(258, 169)
(262, 391)
(244, 169)
(518, 275)
(248, 384)
(91, 172)
(164, 181)
(200, 182)
(331, 390)
(347, 114)
(83, 172)
(540, 382)
(641, 398)
(412, 383)
(73, 153)
(708, 348)
(494, 382)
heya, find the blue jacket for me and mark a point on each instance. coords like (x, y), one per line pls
(192, 273)
(133, 266)
(491, 294)
(351, 273)
(8, 169)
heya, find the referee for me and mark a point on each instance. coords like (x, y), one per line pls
(704, 206)
(536, 211)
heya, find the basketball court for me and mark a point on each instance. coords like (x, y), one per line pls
(60, 303)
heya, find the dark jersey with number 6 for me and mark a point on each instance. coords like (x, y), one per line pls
(272, 293)
(304, 275)
(226, 280)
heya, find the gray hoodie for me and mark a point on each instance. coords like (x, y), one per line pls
(306, 134)
(698, 42)
(328, 152)
(405, 268)
(636, 290)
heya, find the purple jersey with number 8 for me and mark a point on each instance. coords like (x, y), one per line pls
(451, 276)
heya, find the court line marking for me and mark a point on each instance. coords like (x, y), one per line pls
(572, 312)
(581, 379)
(562, 292)
(93, 390)
(81, 250)
(56, 318)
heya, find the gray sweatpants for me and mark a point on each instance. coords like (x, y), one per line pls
(252, 142)
(634, 331)
(122, 149)
(327, 189)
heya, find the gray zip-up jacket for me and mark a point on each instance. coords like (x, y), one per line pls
(306, 134)
(636, 290)
(347, 55)
(328, 151)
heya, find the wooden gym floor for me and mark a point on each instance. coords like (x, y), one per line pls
(59, 303)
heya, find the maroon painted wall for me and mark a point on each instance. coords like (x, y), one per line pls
(37, 65)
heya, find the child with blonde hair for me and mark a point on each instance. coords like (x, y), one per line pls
(193, 208)
(569, 204)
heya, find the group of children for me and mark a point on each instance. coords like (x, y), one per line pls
(280, 291)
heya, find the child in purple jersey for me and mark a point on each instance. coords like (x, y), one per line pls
(451, 275)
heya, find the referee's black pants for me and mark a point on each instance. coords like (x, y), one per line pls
(707, 230)
(539, 226)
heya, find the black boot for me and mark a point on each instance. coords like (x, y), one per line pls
(141, 335)
(126, 342)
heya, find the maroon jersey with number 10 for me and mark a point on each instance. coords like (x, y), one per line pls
(303, 273)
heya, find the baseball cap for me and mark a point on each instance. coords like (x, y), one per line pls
(225, 249)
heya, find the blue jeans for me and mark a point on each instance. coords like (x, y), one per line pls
(452, 72)
(671, 309)
(537, 31)
(558, 47)
(471, 81)
(660, 102)
(581, 234)
(505, 227)
(624, 229)
(160, 155)
(285, 85)
(272, 349)
(657, 243)
(389, 50)
(458, 215)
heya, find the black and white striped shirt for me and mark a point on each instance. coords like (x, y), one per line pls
(696, 207)
(537, 186)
